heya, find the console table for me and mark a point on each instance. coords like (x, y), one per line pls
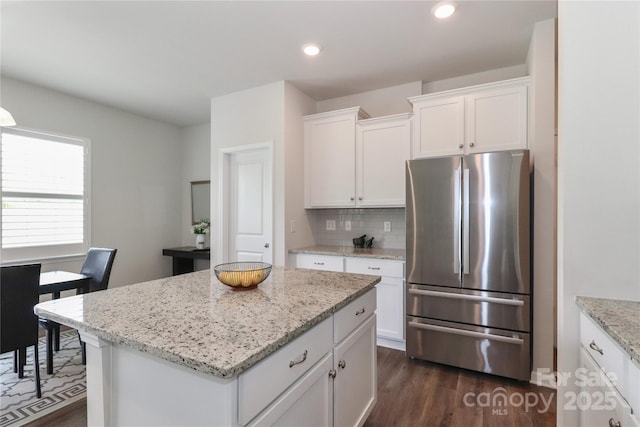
(184, 258)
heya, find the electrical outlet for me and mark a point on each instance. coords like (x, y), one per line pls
(347, 225)
(387, 226)
(293, 225)
(331, 225)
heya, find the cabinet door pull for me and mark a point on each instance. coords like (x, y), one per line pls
(595, 347)
(460, 146)
(332, 373)
(614, 423)
(297, 362)
(471, 145)
(342, 364)
(352, 198)
(319, 263)
(359, 312)
(373, 268)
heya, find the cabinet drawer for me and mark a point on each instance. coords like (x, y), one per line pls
(603, 350)
(375, 267)
(320, 262)
(264, 382)
(354, 314)
(599, 402)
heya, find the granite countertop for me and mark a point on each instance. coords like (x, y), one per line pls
(620, 319)
(381, 253)
(196, 321)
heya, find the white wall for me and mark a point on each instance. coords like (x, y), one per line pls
(296, 105)
(377, 103)
(475, 79)
(541, 66)
(598, 164)
(135, 184)
(249, 117)
(195, 150)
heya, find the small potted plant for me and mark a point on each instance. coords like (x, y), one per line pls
(200, 229)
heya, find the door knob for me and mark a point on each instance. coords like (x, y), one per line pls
(266, 245)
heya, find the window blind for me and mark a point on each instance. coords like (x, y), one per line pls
(43, 191)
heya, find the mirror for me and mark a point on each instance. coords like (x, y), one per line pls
(200, 200)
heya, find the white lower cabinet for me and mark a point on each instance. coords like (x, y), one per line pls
(390, 291)
(610, 385)
(390, 297)
(308, 403)
(335, 388)
(354, 389)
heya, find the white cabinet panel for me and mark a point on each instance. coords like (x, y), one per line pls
(382, 148)
(489, 117)
(496, 120)
(375, 267)
(438, 127)
(355, 388)
(352, 315)
(351, 162)
(308, 403)
(319, 262)
(390, 313)
(330, 158)
(258, 386)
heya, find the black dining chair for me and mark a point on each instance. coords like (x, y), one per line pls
(97, 264)
(18, 323)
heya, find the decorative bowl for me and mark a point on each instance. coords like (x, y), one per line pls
(242, 276)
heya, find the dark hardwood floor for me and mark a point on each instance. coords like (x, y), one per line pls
(417, 393)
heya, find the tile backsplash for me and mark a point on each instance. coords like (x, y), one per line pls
(363, 221)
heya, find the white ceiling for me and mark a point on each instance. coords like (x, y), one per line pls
(167, 59)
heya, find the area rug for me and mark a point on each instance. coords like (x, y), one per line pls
(18, 402)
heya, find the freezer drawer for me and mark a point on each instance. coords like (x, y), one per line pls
(494, 351)
(490, 309)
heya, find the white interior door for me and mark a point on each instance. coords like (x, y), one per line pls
(250, 206)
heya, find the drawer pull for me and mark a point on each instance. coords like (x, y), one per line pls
(614, 423)
(594, 346)
(361, 311)
(373, 268)
(297, 362)
(342, 364)
(318, 263)
(332, 373)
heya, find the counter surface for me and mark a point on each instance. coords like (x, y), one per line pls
(620, 319)
(196, 321)
(381, 253)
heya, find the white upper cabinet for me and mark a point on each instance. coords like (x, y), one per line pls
(383, 145)
(352, 162)
(490, 117)
(330, 158)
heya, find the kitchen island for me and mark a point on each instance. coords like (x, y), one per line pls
(188, 350)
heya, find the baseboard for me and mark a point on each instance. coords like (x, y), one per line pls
(394, 344)
(543, 378)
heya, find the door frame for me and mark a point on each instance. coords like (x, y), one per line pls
(224, 156)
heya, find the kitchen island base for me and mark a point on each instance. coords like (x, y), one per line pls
(326, 376)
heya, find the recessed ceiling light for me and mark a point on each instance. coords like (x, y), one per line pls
(311, 49)
(444, 9)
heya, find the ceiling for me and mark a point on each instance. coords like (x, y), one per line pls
(167, 59)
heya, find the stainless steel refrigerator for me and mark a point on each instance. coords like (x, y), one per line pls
(468, 295)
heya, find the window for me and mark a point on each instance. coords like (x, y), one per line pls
(45, 197)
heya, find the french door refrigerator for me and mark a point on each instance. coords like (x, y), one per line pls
(468, 295)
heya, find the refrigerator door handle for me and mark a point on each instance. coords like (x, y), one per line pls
(504, 301)
(465, 221)
(458, 219)
(463, 332)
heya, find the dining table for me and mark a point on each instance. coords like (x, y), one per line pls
(54, 282)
